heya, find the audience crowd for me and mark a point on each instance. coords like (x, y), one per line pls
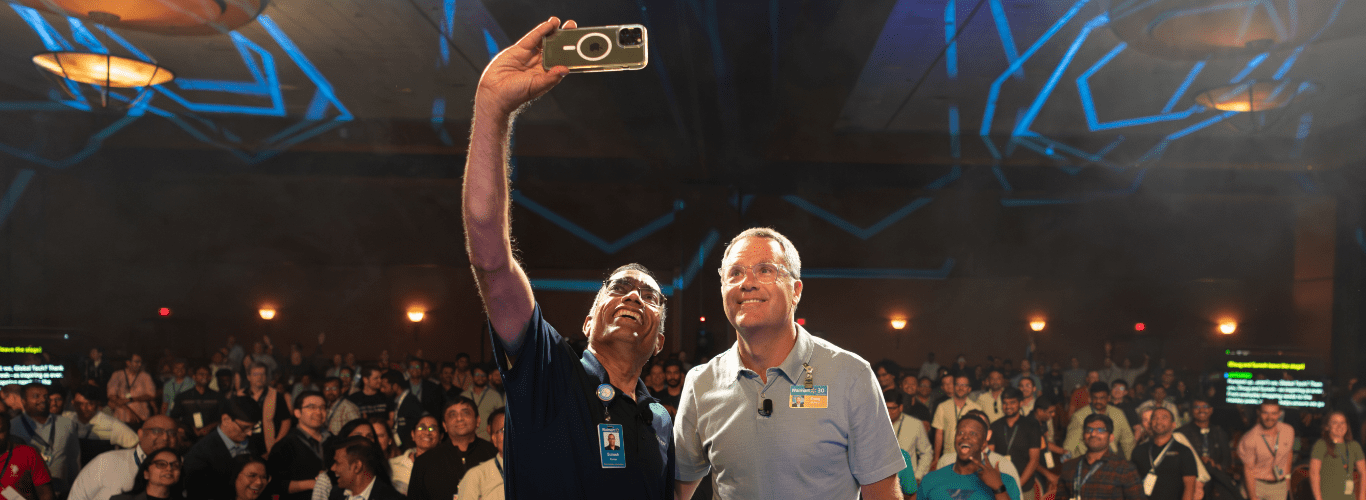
(243, 426)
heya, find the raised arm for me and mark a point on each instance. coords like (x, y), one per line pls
(513, 79)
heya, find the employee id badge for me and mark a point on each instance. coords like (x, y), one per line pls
(9, 493)
(815, 397)
(198, 420)
(1347, 489)
(1149, 482)
(610, 446)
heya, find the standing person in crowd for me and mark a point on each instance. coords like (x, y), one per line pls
(26, 472)
(448, 388)
(485, 481)
(95, 425)
(943, 391)
(114, 472)
(1119, 427)
(554, 394)
(949, 412)
(971, 477)
(1075, 378)
(198, 408)
(1029, 394)
(425, 436)
(1159, 400)
(1174, 387)
(179, 382)
(886, 372)
(1333, 461)
(1120, 398)
(1167, 466)
(371, 399)
(274, 417)
(437, 473)
(260, 355)
(1099, 474)
(671, 396)
(839, 444)
(218, 363)
(1026, 371)
(1211, 443)
(339, 409)
(235, 353)
(1050, 453)
(95, 369)
(157, 478)
(929, 368)
(918, 402)
(1081, 396)
(461, 377)
(1018, 438)
(654, 381)
(131, 391)
(53, 436)
(297, 459)
(427, 392)
(407, 408)
(485, 398)
(989, 399)
(209, 463)
(910, 436)
(384, 437)
(226, 381)
(14, 400)
(1125, 371)
(247, 477)
(1266, 451)
(362, 472)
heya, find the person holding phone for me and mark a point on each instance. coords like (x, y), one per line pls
(554, 394)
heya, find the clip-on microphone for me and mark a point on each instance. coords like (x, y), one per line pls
(767, 410)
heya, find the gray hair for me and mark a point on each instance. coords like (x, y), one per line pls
(791, 260)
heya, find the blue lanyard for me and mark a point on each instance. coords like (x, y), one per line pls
(1082, 481)
(33, 433)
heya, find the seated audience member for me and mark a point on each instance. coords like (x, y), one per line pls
(910, 435)
(384, 437)
(449, 389)
(98, 431)
(424, 436)
(131, 392)
(361, 472)
(485, 481)
(114, 472)
(208, 464)
(14, 400)
(26, 472)
(326, 481)
(1100, 404)
(485, 398)
(180, 381)
(54, 436)
(407, 408)
(198, 408)
(226, 381)
(157, 478)
(969, 477)
(298, 457)
(437, 473)
(1159, 400)
(996, 460)
(56, 400)
(247, 478)
(1099, 472)
(369, 399)
(427, 392)
(339, 409)
(673, 385)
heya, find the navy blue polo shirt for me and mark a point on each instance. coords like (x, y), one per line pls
(551, 445)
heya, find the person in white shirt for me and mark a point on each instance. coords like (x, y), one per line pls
(910, 435)
(112, 472)
(425, 435)
(94, 424)
(485, 481)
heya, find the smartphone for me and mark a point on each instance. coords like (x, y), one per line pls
(602, 48)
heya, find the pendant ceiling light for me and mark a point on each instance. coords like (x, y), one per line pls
(1197, 29)
(1264, 103)
(166, 17)
(104, 71)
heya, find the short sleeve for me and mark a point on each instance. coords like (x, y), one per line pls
(1188, 467)
(907, 475)
(691, 462)
(940, 418)
(1354, 452)
(873, 451)
(1012, 487)
(39, 470)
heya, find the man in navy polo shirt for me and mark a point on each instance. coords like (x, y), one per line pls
(561, 406)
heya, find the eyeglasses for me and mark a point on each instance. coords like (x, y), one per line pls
(427, 428)
(764, 272)
(166, 464)
(622, 286)
(1096, 430)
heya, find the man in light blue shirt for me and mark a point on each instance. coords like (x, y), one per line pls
(53, 436)
(738, 418)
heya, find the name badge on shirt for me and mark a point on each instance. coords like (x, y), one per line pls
(815, 397)
(198, 420)
(1348, 489)
(610, 446)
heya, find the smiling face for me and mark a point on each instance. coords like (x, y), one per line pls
(751, 305)
(460, 420)
(629, 319)
(969, 438)
(165, 469)
(1027, 387)
(251, 480)
(427, 434)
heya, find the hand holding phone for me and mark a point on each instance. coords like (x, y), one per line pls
(602, 48)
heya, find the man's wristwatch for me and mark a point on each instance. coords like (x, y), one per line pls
(1002, 489)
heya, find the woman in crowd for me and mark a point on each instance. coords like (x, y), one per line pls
(1334, 458)
(382, 436)
(322, 485)
(426, 435)
(158, 477)
(249, 477)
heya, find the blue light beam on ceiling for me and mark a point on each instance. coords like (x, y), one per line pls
(588, 236)
(695, 264)
(1053, 79)
(15, 191)
(951, 29)
(1088, 102)
(870, 231)
(989, 115)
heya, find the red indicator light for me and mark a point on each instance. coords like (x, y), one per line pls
(702, 319)
(1138, 327)
(165, 311)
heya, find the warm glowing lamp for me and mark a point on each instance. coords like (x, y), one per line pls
(103, 69)
(1037, 325)
(898, 324)
(1248, 97)
(267, 313)
(166, 17)
(1228, 327)
(416, 315)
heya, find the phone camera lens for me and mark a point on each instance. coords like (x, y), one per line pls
(629, 37)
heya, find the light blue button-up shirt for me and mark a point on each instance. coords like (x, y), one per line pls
(824, 453)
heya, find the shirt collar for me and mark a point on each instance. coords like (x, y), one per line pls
(595, 369)
(229, 442)
(138, 454)
(791, 367)
(364, 493)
